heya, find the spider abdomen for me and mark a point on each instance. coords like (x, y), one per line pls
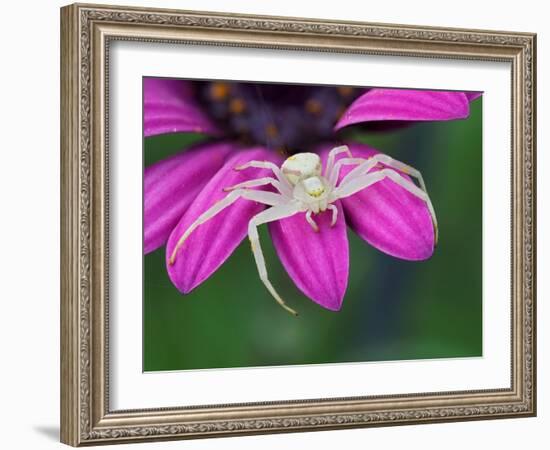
(300, 166)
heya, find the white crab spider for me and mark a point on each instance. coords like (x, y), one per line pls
(301, 187)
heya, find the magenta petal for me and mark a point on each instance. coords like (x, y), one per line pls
(212, 243)
(388, 217)
(405, 104)
(170, 185)
(169, 106)
(318, 263)
(473, 95)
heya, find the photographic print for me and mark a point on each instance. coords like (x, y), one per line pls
(290, 224)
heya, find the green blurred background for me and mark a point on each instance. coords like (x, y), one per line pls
(393, 309)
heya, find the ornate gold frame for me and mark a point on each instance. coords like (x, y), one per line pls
(86, 31)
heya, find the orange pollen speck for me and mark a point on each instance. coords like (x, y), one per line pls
(271, 130)
(313, 106)
(219, 91)
(237, 105)
(345, 91)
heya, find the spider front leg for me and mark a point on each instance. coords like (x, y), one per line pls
(332, 156)
(260, 182)
(267, 198)
(422, 193)
(269, 215)
(352, 185)
(334, 174)
(371, 162)
(402, 167)
(286, 188)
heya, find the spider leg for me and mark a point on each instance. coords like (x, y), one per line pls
(269, 215)
(356, 184)
(332, 155)
(390, 162)
(334, 210)
(283, 189)
(335, 172)
(365, 166)
(360, 182)
(311, 221)
(267, 165)
(267, 198)
(370, 163)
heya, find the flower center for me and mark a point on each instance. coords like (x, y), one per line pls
(286, 118)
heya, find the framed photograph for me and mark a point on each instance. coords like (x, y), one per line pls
(276, 225)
